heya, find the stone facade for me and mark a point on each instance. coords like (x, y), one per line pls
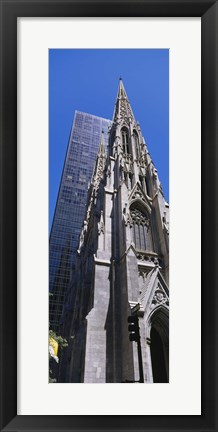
(123, 261)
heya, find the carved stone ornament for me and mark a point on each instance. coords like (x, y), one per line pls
(137, 194)
(127, 218)
(145, 257)
(160, 297)
(142, 161)
(101, 224)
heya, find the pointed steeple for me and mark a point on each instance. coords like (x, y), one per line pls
(101, 150)
(123, 110)
(99, 167)
(121, 91)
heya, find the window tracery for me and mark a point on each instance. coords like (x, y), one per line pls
(136, 143)
(141, 232)
(125, 141)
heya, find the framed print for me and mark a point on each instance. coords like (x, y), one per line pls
(33, 33)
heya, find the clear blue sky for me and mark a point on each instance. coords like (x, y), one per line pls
(87, 80)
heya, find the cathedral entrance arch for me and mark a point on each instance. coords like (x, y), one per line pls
(159, 345)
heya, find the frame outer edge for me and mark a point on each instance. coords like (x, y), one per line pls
(8, 354)
(8, 217)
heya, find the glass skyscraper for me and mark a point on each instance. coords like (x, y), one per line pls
(70, 207)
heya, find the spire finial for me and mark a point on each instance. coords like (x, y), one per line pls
(122, 99)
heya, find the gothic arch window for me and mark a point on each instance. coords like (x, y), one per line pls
(125, 140)
(141, 231)
(159, 337)
(136, 144)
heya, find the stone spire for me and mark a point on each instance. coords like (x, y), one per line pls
(122, 109)
(97, 177)
(101, 150)
(100, 163)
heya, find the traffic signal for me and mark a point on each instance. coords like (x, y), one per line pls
(133, 328)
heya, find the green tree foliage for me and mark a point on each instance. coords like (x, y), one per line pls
(62, 343)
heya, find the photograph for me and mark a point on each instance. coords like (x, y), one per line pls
(109, 216)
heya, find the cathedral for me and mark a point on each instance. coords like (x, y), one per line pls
(119, 293)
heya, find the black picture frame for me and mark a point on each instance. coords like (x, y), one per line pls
(10, 11)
